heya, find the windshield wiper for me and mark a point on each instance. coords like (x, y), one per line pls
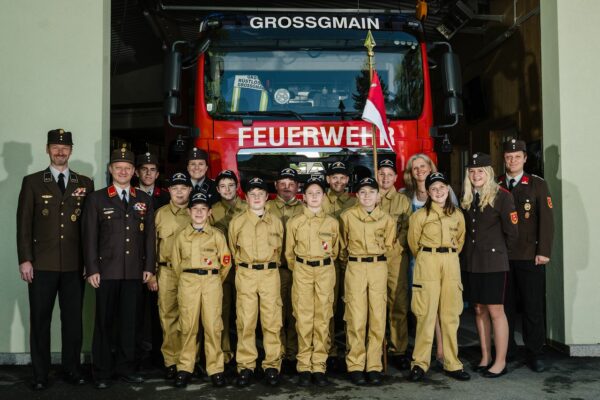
(286, 113)
(342, 114)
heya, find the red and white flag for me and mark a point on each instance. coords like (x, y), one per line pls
(374, 111)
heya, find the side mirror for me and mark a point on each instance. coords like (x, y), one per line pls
(453, 107)
(451, 75)
(171, 106)
(172, 72)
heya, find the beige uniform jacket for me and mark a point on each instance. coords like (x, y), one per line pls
(365, 234)
(169, 221)
(334, 205)
(223, 212)
(436, 229)
(206, 249)
(255, 240)
(399, 207)
(311, 237)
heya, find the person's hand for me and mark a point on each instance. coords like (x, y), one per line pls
(152, 284)
(26, 270)
(541, 260)
(94, 280)
(147, 276)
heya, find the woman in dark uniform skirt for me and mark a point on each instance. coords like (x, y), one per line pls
(491, 222)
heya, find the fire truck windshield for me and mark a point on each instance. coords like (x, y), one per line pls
(310, 74)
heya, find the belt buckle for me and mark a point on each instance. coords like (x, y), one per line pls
(258, 266)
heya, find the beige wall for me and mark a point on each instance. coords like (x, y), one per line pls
(571, 121)
(54, 66)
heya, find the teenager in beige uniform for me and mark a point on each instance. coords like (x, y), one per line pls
(256, 240)
(399, 207)
(201, 260)
(312, 243)
(170, 220)
(222, 213)
(436, 236)
(367, 234)
(285, 206)
(337, 200)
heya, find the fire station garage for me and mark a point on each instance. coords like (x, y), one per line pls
(267, 85)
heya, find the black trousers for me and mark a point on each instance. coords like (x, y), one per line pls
(117, 305)
(42, 295)
(149, 328)
(527, 294)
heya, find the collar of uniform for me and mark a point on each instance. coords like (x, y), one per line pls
(56, 172)
(198, 182)
(175, 209)
(335, 197)
(282, 203)
(306, 211)
(516, 178)
(389, 194)
(190, 230)
(365, 216)
(255, 219)
(229, 206)
(435, 207)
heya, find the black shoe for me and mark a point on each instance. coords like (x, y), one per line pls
(304, 379)
(244, 378)
(182, 379)
(170, 372)
(488, 374)
(320, 379)
(416, 374)
(481, 368)
(74, 378)
(131, 378)
(358, 378)
(39, 385)
(218, 379)
(402, 362)
(537, 365)
(101, 384)
(374, 377)
(272, 376)
(459, 375)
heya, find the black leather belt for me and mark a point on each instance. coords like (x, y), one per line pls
(368, 259)
(438, 250)
(199, 271)
(317, 263)
(271, 265)
(164, 264)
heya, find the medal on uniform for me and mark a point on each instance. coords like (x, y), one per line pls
(45, 212)
(141, 226)
(527, 206)
(325, 246)
(527, 214)
(73, 217)
(77, 211)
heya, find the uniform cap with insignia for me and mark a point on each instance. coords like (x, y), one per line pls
(288, 173)
(367, 182)
(314, 180)
(226, 174)
(479, 160)
(199, 198)
(122, 155)
(257, 183)
(338, 167)
(197, 154)
(514, 145)
(179, 178)
(435, 177)
(387, 163)
(146, 158)
(60, 136)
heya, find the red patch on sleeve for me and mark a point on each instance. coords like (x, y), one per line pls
(514, 217)
(226, 259)
(549, 202)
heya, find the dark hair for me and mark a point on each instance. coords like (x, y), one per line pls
(449, 207)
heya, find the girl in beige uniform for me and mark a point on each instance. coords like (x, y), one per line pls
(436, 235)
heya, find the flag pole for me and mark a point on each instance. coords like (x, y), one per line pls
(370, 44)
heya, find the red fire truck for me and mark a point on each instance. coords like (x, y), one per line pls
(279, 90)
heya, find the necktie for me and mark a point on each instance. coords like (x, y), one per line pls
(511, 184)
(124, 198)
(476, 201)
(197, 188)
(61, 183)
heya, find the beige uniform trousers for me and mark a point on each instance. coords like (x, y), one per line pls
(258, 291)
(312, 298)
(397, 301)
(200, 298)
(168, 310)
(365, 297)
(437, 288)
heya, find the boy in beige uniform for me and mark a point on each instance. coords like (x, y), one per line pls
(169, 221)
(367, 234)
(256, 240)
(201, 260)
(222, 212)
(399, 207)
(311, 246)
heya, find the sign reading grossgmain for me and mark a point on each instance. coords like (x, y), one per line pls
(313, 22)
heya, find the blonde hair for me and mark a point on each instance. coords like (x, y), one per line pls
(410, 183)
(487, 194)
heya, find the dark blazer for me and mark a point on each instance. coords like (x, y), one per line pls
(118, 243)
(209, 187)
(536, 224)
(48, 222)
(160, 197)
(490, 235)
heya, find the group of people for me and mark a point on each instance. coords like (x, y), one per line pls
(204, 257)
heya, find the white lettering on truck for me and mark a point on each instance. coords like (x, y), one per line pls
(311, 22)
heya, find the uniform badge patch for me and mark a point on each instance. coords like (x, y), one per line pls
(527, 206)
(208, 261)
(226, 259)
(79, 192)
(549, 201)
(140, 208)
(325, 246)
(514, 217)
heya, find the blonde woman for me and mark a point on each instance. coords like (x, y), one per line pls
(491, 222)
